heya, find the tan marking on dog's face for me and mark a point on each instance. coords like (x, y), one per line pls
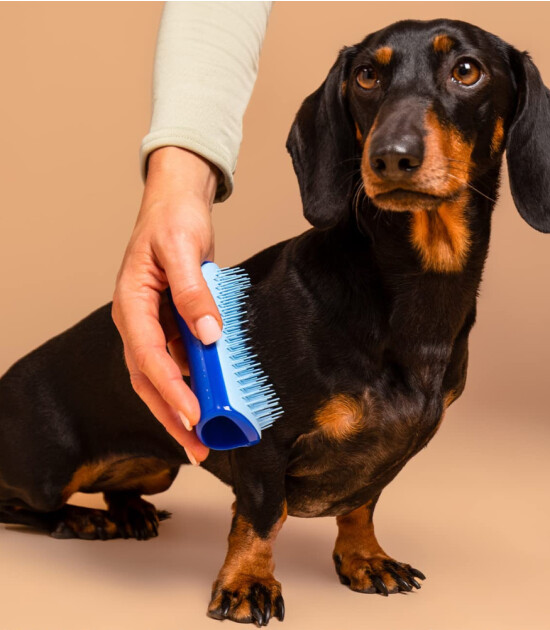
(383, 55)
(147, 475)
(442, 236)
(442, 43)
(498, 137)
(358, 134)
(340, 417)
(444, 173)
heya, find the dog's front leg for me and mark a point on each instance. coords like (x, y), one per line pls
(245, 589)
(360, 561)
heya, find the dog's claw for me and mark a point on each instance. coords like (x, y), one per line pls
(62, 531)
(267, 610)
(415, 583)
(375, 574)
(257, 614)
(402, 584)
(417, 573)
(380, 586)
(163, 515)
(280, 608)
(247, 602)
(226, 603)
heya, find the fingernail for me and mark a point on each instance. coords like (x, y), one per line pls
(185, 421)
(208, 329)
(191, 457)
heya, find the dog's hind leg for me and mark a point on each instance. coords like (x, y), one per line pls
(122, 479)
(128, 516)
(70, 521)
(134, 517)
(360, 561)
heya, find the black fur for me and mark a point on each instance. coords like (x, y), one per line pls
(324, 127)
(528, 145)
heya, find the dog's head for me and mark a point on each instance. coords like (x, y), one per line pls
(424, 110)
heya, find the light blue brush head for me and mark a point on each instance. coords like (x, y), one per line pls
(236, 398)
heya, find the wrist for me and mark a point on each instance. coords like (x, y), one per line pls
(183, 172)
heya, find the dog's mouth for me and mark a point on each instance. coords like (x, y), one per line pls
(401, 200)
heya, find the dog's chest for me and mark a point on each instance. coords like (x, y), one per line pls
(357, 445)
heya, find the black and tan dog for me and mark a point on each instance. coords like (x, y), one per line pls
(362, 323)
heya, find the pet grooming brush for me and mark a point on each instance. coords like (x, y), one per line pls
(236, 399)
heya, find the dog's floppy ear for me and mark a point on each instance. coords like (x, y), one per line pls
(528, 145)
(322, 144)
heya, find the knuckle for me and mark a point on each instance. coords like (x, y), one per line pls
(139, 383)
(141, 357)
(174, 242)
(115, 313)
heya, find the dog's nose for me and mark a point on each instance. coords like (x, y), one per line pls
(397, 160)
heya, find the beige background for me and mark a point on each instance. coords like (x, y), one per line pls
(472, 511)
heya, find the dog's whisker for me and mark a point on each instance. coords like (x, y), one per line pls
(479, 192)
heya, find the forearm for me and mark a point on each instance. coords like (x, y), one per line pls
(205, 68)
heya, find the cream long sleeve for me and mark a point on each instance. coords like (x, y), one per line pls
(206, 64)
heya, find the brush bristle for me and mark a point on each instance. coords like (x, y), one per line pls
(257, 393)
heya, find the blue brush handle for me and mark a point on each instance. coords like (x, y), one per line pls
(221, 427)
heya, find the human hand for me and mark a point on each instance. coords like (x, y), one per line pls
(173, 235)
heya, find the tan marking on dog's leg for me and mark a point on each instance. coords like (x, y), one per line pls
(248, 568)
(148, 475)
(361, 562)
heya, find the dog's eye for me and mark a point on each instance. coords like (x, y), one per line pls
(466, 72)
(367, 77)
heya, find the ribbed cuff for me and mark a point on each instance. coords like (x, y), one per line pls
(187, 139)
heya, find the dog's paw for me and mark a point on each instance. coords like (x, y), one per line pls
(135, 517)
(376, 574)
(80, 522)
(247, 599)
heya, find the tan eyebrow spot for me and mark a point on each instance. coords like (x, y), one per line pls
(383, 55)
(443, 43)
(344, 88)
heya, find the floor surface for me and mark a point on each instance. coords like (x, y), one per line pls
(471, 511)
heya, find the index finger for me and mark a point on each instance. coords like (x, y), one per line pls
(145, 346)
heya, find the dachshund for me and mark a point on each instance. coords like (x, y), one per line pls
(361, 323)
